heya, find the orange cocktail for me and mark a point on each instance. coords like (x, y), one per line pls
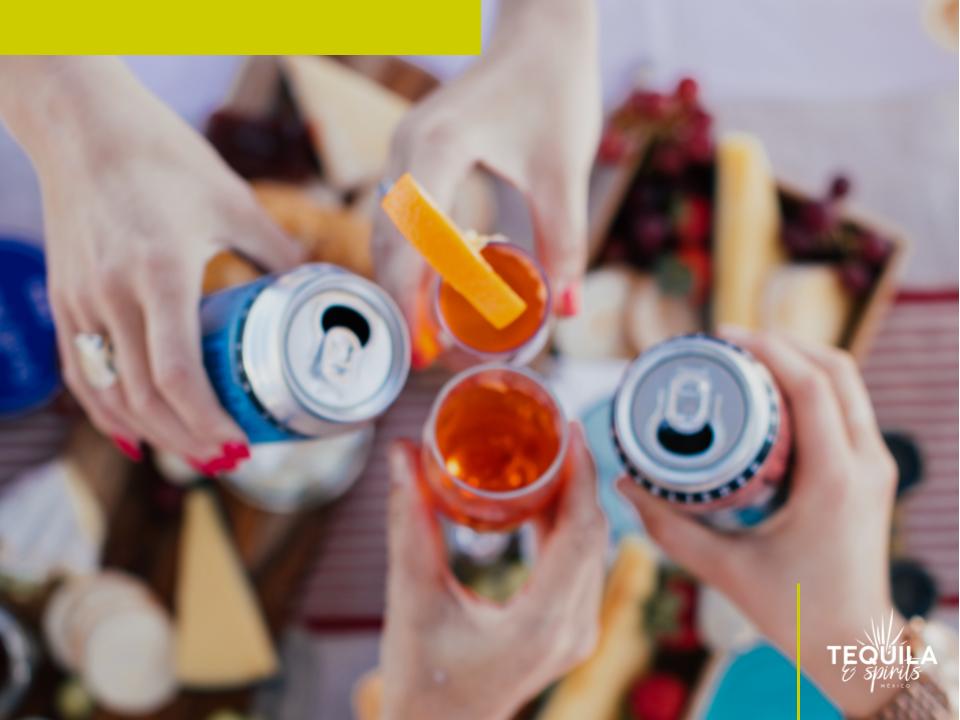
(493, 447)
(472, 333)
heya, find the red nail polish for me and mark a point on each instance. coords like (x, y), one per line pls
(128, 447)
(236, 450)
(569, 303)
(417, 361)
(213, 467)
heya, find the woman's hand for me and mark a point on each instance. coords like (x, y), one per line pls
(447, 653)
(135, 203)
(831, 537)
(529, 111)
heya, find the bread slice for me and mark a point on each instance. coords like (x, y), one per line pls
(351, 118)
(596, 688)
(746, 246)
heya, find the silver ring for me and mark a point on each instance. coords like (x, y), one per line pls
(96, 360)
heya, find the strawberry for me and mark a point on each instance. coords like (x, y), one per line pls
(659, 696)
(671, 613)
(697, 261)
(691, 221)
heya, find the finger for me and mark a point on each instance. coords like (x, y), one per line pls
(813, 404)
(414, 540)
(576, 545)
(704, 552)
(260, 239)
(176, 364)
(559, 210)
(155, 419)
(849, 388)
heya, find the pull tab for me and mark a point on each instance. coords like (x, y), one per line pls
(688, 401)
(339, 356)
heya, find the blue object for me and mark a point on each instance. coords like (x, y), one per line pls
(761, 683)
(224, 314)
(29, 369)
(620, 514)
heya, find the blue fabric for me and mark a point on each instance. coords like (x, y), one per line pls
(760, 683)
(29, 369)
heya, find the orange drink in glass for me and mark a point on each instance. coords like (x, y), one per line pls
(464, 329)
(493, 448)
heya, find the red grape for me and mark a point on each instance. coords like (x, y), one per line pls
(650, 105)
(839, 187)
(874, 249)
(613, 146)
(669, 159)
(856, 276)
(649, 236)
(687, 91)
(798, 241)
(816, 217)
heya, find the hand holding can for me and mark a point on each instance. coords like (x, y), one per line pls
(832, 535)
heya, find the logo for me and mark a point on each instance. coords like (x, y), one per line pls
(884, 657)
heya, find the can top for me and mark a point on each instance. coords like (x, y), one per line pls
(695, 413)
(29, 372)
(339, 341)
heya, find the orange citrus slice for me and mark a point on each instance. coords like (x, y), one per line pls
(454, 255)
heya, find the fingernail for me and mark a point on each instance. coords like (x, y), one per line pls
(398, 459)
(128, 447)
(417, 360)
(213, 467)
(236, 450)
(569, 302)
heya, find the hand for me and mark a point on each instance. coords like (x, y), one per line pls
(135, 203)
(832, 536)
(529, 111)
(447, 653)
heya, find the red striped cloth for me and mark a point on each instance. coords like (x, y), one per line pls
(912, 373)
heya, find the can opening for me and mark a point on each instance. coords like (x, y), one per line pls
(343, 316)
(685, 443)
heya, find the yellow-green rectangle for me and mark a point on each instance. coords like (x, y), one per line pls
(344, 27)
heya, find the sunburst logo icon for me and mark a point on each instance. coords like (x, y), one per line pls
(884, 656)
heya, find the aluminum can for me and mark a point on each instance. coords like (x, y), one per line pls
(304, 354)
(699, 422)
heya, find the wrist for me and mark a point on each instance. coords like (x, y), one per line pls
(435, 700)
(572, 23)
(63, 110)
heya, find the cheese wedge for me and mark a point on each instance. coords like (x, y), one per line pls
(807, 302)
(595, 689)
(221, 638)
(351, 118)
(454, 255)
(746, 244)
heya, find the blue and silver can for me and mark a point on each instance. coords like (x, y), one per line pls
(700, 423)
(304, 354)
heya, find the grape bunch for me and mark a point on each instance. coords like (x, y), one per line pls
(814, 231)
(273, 146)
(664, 224)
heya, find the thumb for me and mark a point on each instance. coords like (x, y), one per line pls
(415, 545)
(702, 551)
(559, 210)
(261, 240)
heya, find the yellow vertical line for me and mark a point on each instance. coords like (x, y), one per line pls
(798, 651)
